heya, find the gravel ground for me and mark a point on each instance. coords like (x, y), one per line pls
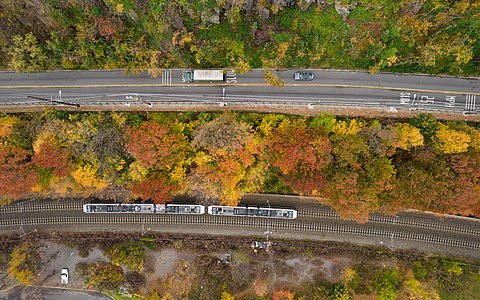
(57, 256)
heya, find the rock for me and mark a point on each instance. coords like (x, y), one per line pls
(264, 12)
(211, 16)
(344, 10)
(304, 4)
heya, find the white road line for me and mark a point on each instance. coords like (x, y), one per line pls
(470, 102)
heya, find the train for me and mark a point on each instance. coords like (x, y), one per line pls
(192, 209)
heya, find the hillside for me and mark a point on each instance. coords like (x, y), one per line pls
(428, 36)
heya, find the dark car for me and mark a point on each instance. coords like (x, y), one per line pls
(303, 76)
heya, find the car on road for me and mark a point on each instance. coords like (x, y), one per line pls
(64, 276)
(303, 76)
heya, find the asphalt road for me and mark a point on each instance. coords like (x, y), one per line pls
(37, 292)
(330, 87)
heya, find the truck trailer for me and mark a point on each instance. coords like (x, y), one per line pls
(204, 75)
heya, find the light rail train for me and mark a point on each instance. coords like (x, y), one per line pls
(192, 209)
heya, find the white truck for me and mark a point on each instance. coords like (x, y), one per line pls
(204, 75)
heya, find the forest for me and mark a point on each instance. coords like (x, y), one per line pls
(355, 165)
(426, 36)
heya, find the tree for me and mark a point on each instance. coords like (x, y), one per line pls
(295, 148)
(386, 284)
(416, 290)
(450, 141)
(6, 125)
(51, 155)
(339, 292)
(222, 134)
(26, 55)
(226, 296)
(156, 187)
(16, 174)
(131, 255)
(273, 79)
(105, 275)
(408, 136)
(283, 295)
(156, 146)
(24, 263)
(426, 123)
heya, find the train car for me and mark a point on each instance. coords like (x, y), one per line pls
(118, 208)
(180, 209)
(252, 211)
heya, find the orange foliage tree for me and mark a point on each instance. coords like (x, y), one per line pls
(283, 295)
(16, 174)
(156, 146)
(301, 153)
(52, 156)
(156, 187)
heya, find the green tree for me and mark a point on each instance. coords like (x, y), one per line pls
(26, 55)
(386, 284)
(426, 123)
(339, 292)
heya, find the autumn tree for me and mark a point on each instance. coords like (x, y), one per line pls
(293, 147)
(226, 164)
(408, 136)
(102, 275)
(26, 54)
(450, 141)
(16, 173)
(156, 187)
(24, 263)
(6, 125)
(52, 156)
(273, 79)
(131, 255)
(222, 134)
(283, 295)
(156, 146)
(226, 296)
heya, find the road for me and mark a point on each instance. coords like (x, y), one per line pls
(110, 89)
(37, 292)
(408, 230)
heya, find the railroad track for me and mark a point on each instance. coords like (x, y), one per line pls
(395, 220)
(348, 229)
(39, 206)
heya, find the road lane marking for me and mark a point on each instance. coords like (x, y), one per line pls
(470, 102)
(237, 84)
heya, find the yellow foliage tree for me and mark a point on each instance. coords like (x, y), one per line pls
(408, 136)
(87, 177)
(226, 296)
(341, 127)
(273, 79)
(449, 141)
(416, 290)
(23, 263)
(6, 125)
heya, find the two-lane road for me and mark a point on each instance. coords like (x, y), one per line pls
(112, 89)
